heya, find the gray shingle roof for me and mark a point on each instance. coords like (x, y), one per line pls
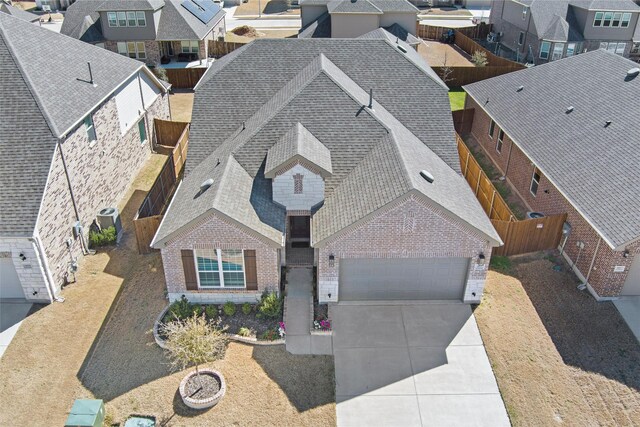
(320, 28)
(329, 104)
(82, 19)
(596, 168)
(395, 6)
(298, 143)
(392, 33)
(353, 6)
(18, 13)
(40, 80)
(606, 4)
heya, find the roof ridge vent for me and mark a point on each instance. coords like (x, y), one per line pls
(205, 185)
(520, 88)
(632, 73)
(427, 176)
(569, 109)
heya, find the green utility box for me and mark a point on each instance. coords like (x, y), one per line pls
(86, 413)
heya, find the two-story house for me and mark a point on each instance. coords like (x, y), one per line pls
(540, 31)
(88, 128)
(354, 18)
(154, 31)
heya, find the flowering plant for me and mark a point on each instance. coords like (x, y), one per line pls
(324, 325)
(281, 329)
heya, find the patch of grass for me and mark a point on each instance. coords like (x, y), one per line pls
(501, 263)
(457, 98)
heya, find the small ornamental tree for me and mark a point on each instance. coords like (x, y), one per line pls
(192, 342)
(479, 58)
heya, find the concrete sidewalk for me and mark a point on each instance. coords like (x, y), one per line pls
(298, 310)
(629, 308)
(11, 316)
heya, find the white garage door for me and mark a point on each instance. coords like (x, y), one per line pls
(10, 286)
(402, 279)
(632, 284)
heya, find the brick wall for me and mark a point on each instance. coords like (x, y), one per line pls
(548, 200)
(151, 47)
(100, 174)
(216, 233)
(409, 229)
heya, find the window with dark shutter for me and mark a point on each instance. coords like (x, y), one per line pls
(250, 270)
(189, 267)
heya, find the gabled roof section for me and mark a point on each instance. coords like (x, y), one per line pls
(353, 6)
(296, 144)
(82, 21)
(113, 5)
(394, 33)
(594, 165)
(395, 6)
(18, 13)
(177, 23)
(320, 28)
(606, 5)
(60, 82)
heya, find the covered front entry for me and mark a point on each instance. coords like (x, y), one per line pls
(299, 251)
(10, 286)
(402, 279)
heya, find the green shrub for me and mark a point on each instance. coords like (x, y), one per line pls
(270, 335)
(180, 309)
(270, 305)
(244, 332)
(197, 310)
(229, 308)
(106, 236)
(246, 308)
(211, 311)
(500, 263)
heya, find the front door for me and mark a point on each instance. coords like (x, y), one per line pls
(300, 231)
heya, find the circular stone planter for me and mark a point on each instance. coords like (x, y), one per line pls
(209, 401)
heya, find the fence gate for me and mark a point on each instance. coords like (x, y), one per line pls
(529, 235)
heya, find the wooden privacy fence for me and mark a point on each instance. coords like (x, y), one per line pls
(489, 198)
(430, 32)
(519, 237)
(173, 135)
(463, 119)
(529, 235)
(460, 76)
(218, 49)
(185, 78)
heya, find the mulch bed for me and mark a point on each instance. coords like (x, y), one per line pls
(202, 387)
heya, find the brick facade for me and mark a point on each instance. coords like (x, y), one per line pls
(100, 174)
(429, 233)
(151, 47)
(217, 233)
(519, 170)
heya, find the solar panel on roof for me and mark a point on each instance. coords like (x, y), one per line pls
(204, 10)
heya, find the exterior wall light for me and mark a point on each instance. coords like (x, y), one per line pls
(481, 259)
(22, 256)
(625, 254)
(332, 260)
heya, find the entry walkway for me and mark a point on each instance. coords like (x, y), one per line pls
(412, 364)
(298, 310)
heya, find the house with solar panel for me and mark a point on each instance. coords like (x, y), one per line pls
(172, 33)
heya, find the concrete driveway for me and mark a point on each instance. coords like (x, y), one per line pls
(412, 364)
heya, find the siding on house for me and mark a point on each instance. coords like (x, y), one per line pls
(100, 174)
(409, 229)
(217, 233)
(30, 271)
(604, 281)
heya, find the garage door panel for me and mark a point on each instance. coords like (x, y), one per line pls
(402, 279)
(10, 286)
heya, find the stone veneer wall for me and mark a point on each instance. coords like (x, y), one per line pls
(409, 229)
(214, 232)
(100, 174)
(31, 271)
(603, 280)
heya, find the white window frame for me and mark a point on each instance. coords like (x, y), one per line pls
(626, 20)
(610, 19)
(90, 128)
(533, 179)
(554, 51)
(619, 19)
(122, 16)
(542, 50)
(220, 270)
(131, 17)
(598, 17)
(500, 141)
(620, 48)
(492, 128)
(141, 18)
(571, 49)
(112, 22)
(139, 50)
(190, 46)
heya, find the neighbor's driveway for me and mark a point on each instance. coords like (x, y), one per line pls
(412, 364)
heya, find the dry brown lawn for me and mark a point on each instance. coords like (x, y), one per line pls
(181, 102)
(262, 34)
(269, 7)
(440, 54)
(97, 345)
(560, 357)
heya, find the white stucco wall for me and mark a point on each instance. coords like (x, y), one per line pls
(353, 25)
(312, 189)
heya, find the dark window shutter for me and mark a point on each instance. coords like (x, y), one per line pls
(189, 266)
(250, 270)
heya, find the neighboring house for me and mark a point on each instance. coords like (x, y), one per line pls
(73, 138)
(540, 31)
(291, 162)
(153, 31)
(353, 18)
(6, 7)
(54, 5)
(566, 135)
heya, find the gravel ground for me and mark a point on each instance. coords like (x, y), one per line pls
(560, 357)
(437, 53)
(97, 344)
(269, 7)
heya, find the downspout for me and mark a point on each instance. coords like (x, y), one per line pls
(83, 245)
(506, 169)
(593, 260)
(47, 274)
